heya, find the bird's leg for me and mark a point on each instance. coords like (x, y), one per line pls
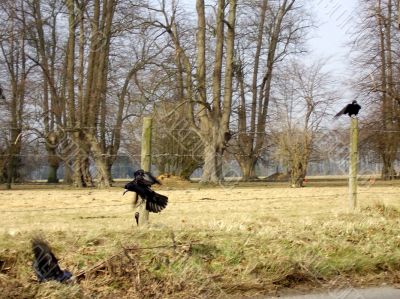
(137, 215)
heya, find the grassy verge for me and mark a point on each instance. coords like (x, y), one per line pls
(248, 252)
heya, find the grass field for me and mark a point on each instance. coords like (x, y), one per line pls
(248, 239)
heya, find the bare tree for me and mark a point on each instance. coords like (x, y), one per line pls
(375, 57)
(390, 108)
(97, 110)
(177, 148)
(208, 109)
(14, 56)
(85, 59)
(299, 109)
(278, 31)
(46, 44)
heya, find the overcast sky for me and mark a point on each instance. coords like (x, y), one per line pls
(336, 20)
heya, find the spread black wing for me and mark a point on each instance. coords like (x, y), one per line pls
(155, 202)
(142, 190)
(45, 263)
(343, 111)
(150, 178)
(145, 178)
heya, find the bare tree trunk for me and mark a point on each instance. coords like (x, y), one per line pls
(14, 53)
(68, 172)
(390, 140)
(51, 96)
(54, 163)
(218, 120)
(247, 166)
(297, 175)
(81, 173)
(14, 158)
(388, 171)
(103, 175)
(96, 88)
(212, 168)
(212, 120)
(251, 136)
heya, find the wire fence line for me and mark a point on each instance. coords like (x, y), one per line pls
(204, 200)
(169, 129)
(62, 208)
(166, 154)
(36, 167)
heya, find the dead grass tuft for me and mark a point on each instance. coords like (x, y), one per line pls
(383, 209)
(294, 276)
(13, 288)
(8, 260)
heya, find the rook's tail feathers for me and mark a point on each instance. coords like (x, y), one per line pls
(156, 203)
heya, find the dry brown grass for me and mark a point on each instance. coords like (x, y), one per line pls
(229, 241)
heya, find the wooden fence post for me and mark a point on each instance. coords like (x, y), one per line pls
(353, 163)
(145, 162)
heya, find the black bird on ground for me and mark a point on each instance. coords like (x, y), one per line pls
(141, 184)
(45, 263)
(350, 109)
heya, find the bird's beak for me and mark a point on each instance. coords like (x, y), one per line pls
(126, 190)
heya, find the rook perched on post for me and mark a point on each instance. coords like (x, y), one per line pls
(350, 109)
